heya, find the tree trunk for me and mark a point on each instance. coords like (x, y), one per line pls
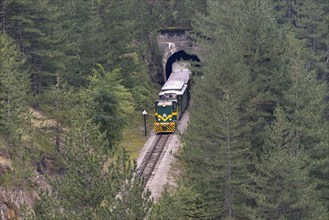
(228, 193)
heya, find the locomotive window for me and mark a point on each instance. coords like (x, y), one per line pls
(174, 106)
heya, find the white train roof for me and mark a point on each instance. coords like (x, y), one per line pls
(182, 76)
(177, 92)
(181, 66)
(173, 85)
(178, 79)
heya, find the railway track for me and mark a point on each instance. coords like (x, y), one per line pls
(152, 156)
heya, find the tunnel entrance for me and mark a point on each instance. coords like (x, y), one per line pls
(179, 55)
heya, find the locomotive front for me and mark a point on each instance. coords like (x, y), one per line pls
(166, 115)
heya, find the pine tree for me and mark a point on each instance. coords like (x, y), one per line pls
(217, 149)
(306, 108)
(261, 46)
(112, 102)
(14, 115)
(282, 188)
(32, 24)
(93, 178)
(13, 89)
(313, 31)
(184, 203)
(286, 11)
(133, 202)
(129, 30)
(58, 101)
(309, 23)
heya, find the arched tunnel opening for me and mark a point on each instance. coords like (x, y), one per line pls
(179, 55)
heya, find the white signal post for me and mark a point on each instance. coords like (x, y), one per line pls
(144, 114)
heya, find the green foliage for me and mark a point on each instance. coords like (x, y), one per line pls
(111, 101)
(250, 67)
(285, 11)
(92, 178)
(29, 23)
(184, 203)
(282, 187)
(13, 86)
(306, 108)
(250, 25)
(217, 150)
(46, 208)
(71, 37)
(14, 117)
(87, 64)
(309, 21)
(132, 202)
(175, 13)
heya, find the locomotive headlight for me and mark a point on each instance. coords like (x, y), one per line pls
(159, 119)
(169, 119)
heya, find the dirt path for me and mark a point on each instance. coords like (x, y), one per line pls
(160, 176)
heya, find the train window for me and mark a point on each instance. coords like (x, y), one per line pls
(174, 104)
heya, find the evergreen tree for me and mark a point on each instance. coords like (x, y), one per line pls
(14, 115)
(92, 178)
(13, 89)
(129, 32)
(282, 187)
(217, 149)
(58, 102)
(309, 23)
(313, 30)
(306, 108)
(27, 22)
(112, 102)
(133, 202)
(286, 11)
(263, 52)
(184, 203)
(261, 46)
(176, 13)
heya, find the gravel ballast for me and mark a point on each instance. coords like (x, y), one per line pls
(160, 175)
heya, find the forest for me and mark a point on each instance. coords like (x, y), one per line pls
(74, 74)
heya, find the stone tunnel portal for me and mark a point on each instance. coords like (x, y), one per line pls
(179, 55)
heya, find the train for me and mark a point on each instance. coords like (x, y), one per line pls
(173, 99)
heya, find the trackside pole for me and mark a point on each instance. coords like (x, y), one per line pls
(144, 114)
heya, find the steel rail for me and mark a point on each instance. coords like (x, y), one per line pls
(152, 156)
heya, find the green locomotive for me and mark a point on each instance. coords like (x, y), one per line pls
(173, 98)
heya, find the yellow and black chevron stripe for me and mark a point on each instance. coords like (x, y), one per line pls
(166, 118)
(165, 127)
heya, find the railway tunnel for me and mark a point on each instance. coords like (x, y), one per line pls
(174, 45)
(177, 56)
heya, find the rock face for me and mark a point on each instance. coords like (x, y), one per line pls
(5, 164)
(172, 41)
(15, 202)
(11, 202)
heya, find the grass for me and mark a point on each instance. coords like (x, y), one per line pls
(3, 145)
(133, 136)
